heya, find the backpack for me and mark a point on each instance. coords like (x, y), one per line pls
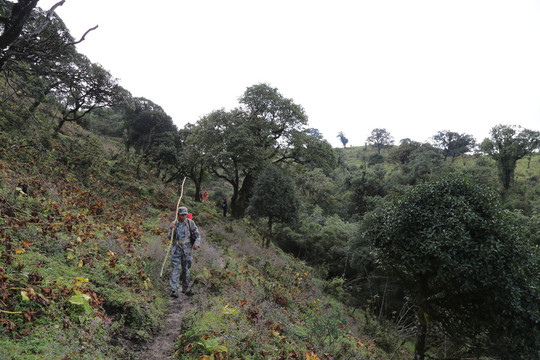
(192, 235)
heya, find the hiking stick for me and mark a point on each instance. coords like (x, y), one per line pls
(172, 231)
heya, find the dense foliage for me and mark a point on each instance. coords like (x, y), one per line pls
(507, 145)
(274, 198)
(465, 263)
(267, 127)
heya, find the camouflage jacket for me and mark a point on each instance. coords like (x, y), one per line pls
(182, 234)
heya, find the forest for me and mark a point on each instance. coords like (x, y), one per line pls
(391, 250)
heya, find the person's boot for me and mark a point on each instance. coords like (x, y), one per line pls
(174, 293)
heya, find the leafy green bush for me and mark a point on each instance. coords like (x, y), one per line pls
(442, 240)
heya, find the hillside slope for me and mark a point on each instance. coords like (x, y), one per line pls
(82, 242)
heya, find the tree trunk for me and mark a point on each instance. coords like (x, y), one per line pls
(269, 236)
(244, 194)
(507, 176)
(59, 126)
(420, 345)
(14, 25)
(197, 177)
(234, 200)
(421, 333)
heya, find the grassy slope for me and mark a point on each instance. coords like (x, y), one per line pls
(82, 241)
(73, 232)
(256, 303)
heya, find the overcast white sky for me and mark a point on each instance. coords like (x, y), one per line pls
(413, 67)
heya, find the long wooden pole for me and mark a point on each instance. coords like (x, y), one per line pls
(172, 231)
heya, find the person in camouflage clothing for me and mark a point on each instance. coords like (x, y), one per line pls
(186, 238)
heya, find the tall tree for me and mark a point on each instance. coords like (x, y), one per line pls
(145, 122)
(506, 146)
(228, 148)
(467, 265)
(44, 63)
(38, 58)
(25, 32)
(13, 17)
(267, 127)
(31, 71)
(402, 154)
(85, 87)
(453, 144)
(343, 139)
(380, 138)
(190, 161)
(274, 198)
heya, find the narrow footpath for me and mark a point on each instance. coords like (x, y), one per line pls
(162, 346)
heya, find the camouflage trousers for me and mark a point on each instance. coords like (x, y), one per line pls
(181, 262)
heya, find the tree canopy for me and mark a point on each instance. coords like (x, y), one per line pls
(380, 138)
(146, 122)
(274, 198)
(453, 144)
(84, 87)
(465, 263)
(506, 146)
(267, 127)
(343, 138)
(13, 18)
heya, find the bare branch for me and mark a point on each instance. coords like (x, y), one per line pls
(84, 35)
(47, 18)
(53, 8)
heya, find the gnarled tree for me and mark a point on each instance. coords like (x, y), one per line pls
(84, 87)
(267, 127)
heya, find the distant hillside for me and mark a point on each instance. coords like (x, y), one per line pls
(523, 194)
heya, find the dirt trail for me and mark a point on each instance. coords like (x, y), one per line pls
(162, 346)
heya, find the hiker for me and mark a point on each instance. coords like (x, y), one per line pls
(205, 195)
(186, 237)
(200, 196)
(224, 206)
